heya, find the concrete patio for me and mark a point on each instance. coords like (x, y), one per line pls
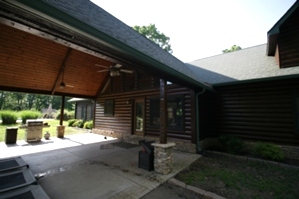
(89, 166)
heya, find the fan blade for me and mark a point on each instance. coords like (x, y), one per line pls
(125, 71)
(102, 66)
(71, 86)
(117, 66)
(100, 71)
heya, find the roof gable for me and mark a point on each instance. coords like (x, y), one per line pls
(275, 30)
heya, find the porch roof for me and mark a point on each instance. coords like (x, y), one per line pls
(83, 26)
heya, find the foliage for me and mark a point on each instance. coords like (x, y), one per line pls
(79, 124)
(71, 122)
(232, 49)
(268, 151)
(67, 115)
(153, 34)
(25, 101)
(231, 144)
(25, 115)
(8, 117)
(88, 124)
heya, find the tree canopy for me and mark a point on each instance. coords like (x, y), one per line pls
(152, 33)
(233, 48)
(25, 101)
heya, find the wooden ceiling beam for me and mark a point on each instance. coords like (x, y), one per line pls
(61, 69)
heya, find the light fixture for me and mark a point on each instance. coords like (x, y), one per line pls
(114, 73)
(62, 85)
(129, 101)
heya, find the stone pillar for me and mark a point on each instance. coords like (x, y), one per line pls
(163, 157)
(60, 131)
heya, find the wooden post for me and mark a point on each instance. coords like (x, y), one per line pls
(62, 110)
(163, 112)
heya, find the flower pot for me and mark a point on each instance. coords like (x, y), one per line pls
(47, 135)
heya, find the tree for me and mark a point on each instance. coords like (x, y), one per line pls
(153, 34)
(233, 48)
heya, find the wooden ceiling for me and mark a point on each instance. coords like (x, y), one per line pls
(31, 63)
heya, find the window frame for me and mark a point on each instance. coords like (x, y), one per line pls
(157, 110)
(109, 107)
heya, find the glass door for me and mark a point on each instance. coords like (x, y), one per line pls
(139, 116)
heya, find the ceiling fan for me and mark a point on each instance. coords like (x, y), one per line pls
(115, 69)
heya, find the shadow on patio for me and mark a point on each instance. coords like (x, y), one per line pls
(89, 166)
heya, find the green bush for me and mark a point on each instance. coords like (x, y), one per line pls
(25, 115)
(268, 151)
(8, 117)
(67, 115)
(71, 122)
(231, 144)
(79, 124)
(88, 125)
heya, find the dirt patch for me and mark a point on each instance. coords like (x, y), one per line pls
(236, 178)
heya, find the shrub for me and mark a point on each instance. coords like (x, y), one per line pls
(231, 144)
(79, 124)
(67, 115)
(71, 122)
(268, 151)
(8, 117)
(25, 115)
(88, 124)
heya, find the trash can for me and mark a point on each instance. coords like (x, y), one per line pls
(11, 135)
(146, 156)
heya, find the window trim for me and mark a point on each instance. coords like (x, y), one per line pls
(168, 127)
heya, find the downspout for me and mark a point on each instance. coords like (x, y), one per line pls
(198, 149)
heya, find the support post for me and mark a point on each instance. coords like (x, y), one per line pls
(60, 128)
(163, 112)
(62, 110)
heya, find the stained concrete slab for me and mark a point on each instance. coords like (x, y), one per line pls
(83, 166)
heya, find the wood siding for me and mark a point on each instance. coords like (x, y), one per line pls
(122, 121)
(289, 42)
(254, 111)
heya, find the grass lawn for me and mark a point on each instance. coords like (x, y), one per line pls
(241, 179)
(51, 129)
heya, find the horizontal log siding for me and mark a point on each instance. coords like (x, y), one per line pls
(256, 111)
(289, 42)
(122, 120)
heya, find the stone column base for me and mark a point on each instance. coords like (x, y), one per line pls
(163, 157)
(60, 131)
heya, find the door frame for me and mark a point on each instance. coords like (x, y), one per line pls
(136, 101)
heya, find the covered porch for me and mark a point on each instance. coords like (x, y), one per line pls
(81, 166)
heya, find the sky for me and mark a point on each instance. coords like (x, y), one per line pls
(202, 28)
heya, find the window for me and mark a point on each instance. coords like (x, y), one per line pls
(155, 112)
(175, 114)
(109, 108)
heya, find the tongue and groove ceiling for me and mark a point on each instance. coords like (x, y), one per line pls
(30, 63)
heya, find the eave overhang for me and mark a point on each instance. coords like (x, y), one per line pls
(65, 21)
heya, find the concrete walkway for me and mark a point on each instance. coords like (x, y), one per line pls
(89, 166)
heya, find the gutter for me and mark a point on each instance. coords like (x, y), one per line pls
(198, 149)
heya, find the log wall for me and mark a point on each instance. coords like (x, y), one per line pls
(255, 111)
(122, 121)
